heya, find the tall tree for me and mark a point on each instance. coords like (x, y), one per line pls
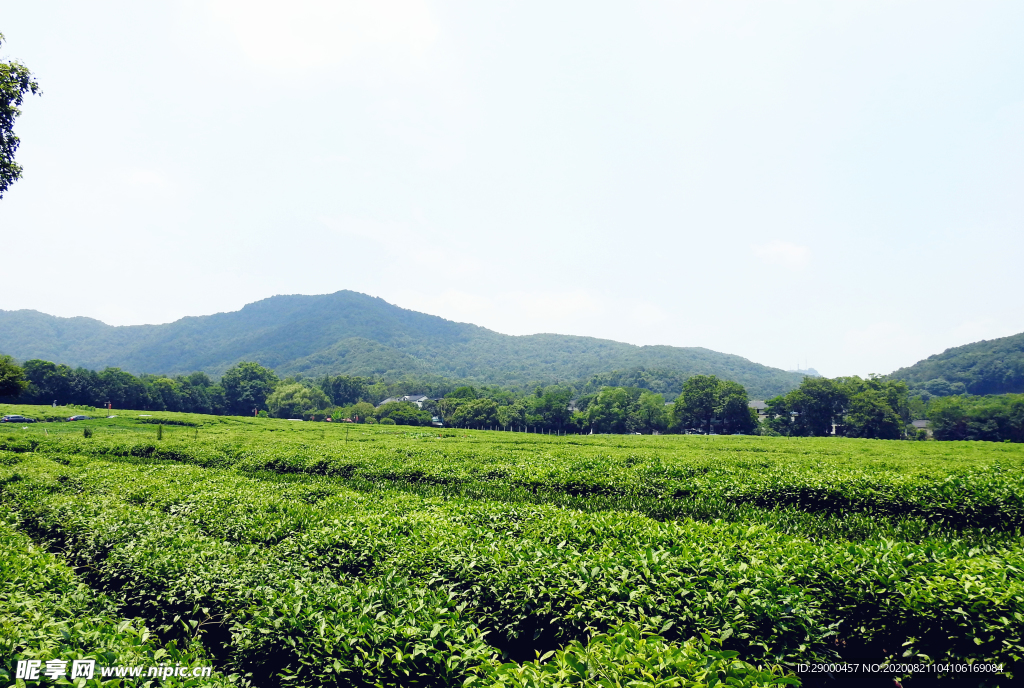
(651, 411)
(164, 393)
(12, 378)
(695, 407)
(345, 389)
(475, 414)
(466, 392)
(15, 81)
(708, 404)
(949, 418)
(447, 406)
(549, 406)
(872, 415)
(610, 411)
(820, 403)
(50, 382)
(733, 408)
(247, 386)
(295, 400)
(511, 415)
(123, 390)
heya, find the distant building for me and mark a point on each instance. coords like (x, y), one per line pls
(925, 425)
(760, 407)
(417, 399)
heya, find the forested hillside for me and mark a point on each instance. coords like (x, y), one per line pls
(993, 366)
(355, 334)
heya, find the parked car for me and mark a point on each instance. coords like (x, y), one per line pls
(17, 419)
(80, 418)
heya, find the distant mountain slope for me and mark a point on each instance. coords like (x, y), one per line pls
(994, 366)
(355, 334)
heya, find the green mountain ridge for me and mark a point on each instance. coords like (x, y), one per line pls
(355, 334)
(991, 366)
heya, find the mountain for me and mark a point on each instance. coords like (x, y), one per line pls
(994, 366)
(356, 334)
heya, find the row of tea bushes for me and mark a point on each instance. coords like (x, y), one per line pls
(47, 613)
(267, 618)
(897, 494)
(174, 573)
(627, 657)
(528, 577)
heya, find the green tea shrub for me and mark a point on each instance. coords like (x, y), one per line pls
(628, 657)
(47, 613)
(307, 555)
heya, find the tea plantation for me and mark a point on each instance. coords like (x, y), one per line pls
(315, 554)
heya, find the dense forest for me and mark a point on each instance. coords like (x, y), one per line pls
(994, 418)
(994, 366)
(359, 335)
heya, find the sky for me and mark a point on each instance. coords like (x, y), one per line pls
(836, 185)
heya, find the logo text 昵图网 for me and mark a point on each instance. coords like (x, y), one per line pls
(55, 669)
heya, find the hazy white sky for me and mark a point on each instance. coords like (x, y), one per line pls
(834, 184)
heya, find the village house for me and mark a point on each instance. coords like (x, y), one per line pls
(417, 399)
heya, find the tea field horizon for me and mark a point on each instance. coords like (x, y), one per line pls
(285, 553)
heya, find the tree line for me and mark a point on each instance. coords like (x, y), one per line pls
(243, 389)
(240, 390)
(993, 418)
(875, 407)
(844, 406)
(706, 403)
(884, 408)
